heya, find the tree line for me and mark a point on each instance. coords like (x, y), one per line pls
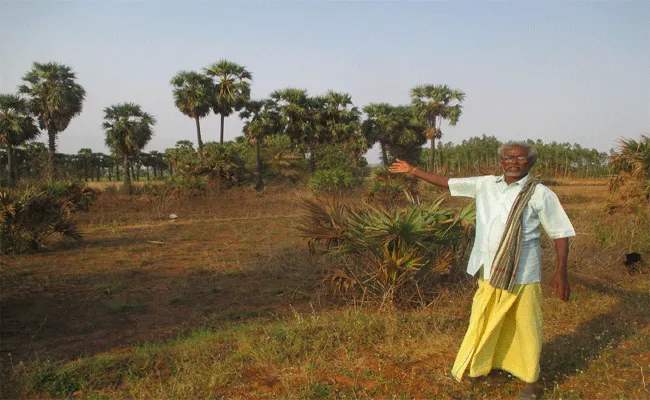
(50, 97)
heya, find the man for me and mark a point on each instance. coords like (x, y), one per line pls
(505, 329)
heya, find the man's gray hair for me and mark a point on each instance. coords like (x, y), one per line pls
(532, 150)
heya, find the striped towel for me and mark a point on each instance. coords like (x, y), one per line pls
(506, 260)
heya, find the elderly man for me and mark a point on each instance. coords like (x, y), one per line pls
(505, 329)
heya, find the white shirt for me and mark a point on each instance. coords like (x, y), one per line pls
(494, 199)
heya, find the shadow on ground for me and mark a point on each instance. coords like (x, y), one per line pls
(81, 315)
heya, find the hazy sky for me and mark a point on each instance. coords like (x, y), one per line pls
(564, 71)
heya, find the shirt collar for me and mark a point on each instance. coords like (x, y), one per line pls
(520, 182)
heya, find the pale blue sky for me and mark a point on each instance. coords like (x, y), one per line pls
(564, 71)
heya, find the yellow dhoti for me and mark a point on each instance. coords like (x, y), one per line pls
(505, 332)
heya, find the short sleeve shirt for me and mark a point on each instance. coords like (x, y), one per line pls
(494, 199)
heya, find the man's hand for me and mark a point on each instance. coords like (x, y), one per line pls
(401, 167)
(561, 287)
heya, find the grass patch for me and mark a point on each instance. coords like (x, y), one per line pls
(124, 306)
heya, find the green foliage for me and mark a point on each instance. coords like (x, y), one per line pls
(333, 179)
(383, 253)
(224, 161)
(332, 156)
(29, 216)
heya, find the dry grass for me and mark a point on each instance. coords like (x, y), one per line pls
(224, 301)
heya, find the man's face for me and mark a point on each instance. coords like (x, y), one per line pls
(515, 162)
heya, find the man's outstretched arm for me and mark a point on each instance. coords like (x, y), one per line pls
(561, 286)
(402, 167)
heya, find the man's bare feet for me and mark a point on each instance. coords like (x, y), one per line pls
(497, 376)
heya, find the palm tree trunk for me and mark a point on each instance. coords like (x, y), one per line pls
(10, 165)
(148, 172)
(198, 133)
(221, 128)
(127, 178)
(259, 184)
(117, 171)
(384, 154)
(432, 156)
(110, 173)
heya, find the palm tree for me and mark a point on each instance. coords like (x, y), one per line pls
(435, 103)
(231, 88)
(16, 127)
(378, 126)
(55, 98)
(128, 130)
(293, 106)
(192, 97)
(261, 119)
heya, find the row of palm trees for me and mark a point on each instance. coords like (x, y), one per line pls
(50, 97)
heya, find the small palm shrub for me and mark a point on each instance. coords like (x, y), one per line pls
(387, 188)
(630, 184)
(386, 254)
(80, 196)
(29, 216)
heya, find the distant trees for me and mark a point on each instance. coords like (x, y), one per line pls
(55, 98)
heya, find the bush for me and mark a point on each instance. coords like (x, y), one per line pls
(27, 217)
(332, 180)
(79, 195)
(222, 163)
(386, 254)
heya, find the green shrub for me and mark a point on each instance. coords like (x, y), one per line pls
(222, 163)
(384, 253)
(332, 180)
(28, 216)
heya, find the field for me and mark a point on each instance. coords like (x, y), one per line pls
(224, 301)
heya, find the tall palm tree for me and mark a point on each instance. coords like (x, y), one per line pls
(192, 92)
(231, 89)
(128, 130)
(54, 98)
(16, 127)
(435, 103)
(261, 119)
